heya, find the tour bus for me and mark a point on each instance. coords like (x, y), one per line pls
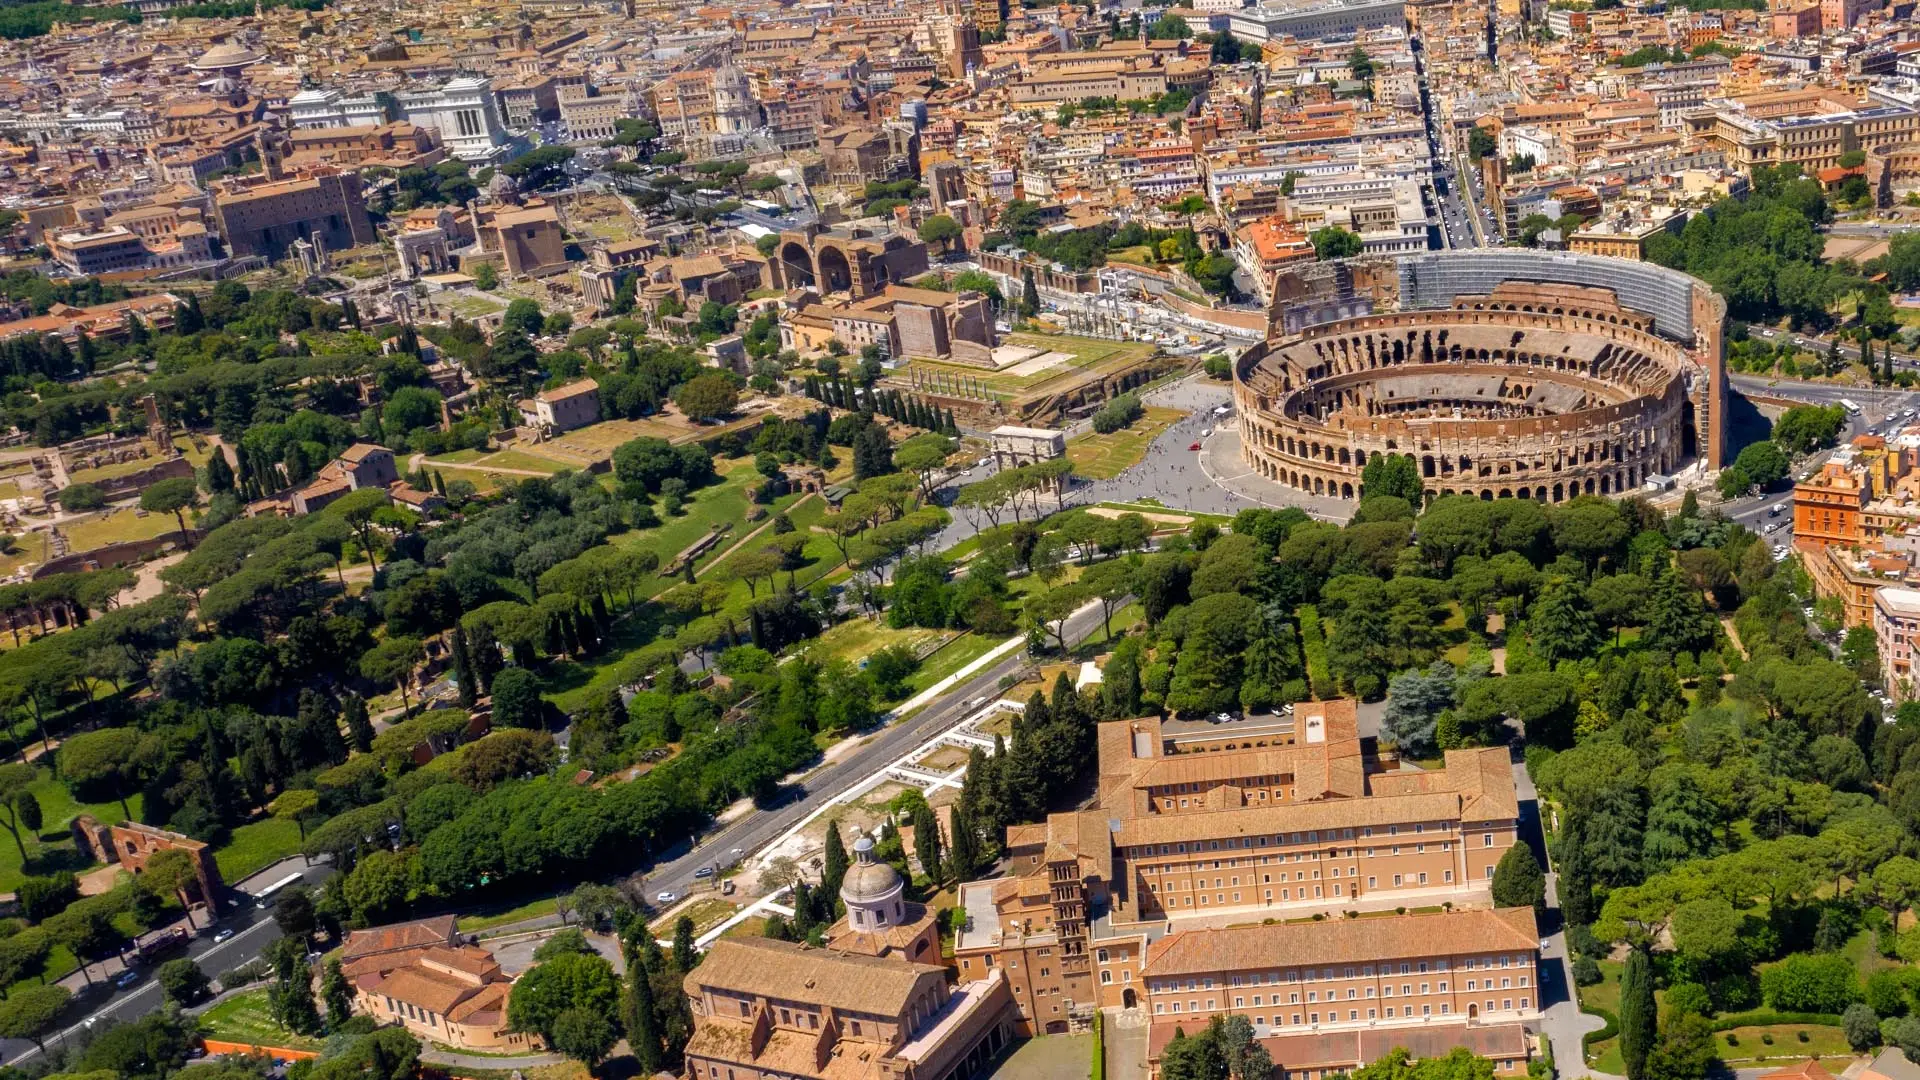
(264, 898)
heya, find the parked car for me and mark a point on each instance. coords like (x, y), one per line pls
(667, 897)
(126, 979)
(226, 933)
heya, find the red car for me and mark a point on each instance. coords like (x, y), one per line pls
(1195, 446)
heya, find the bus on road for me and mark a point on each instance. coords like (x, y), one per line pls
(1850, 407)
(264, 898)
(147, 949)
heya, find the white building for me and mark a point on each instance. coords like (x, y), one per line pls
(463, 112)
(331, 109)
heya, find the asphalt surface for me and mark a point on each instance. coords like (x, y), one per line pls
(101, 1002)
(732, 843)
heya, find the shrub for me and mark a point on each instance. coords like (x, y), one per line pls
(1767, 1037)
(1313, 643)
(1804, 983)
(1688, 997)
(1586, 972)
(1118, 413)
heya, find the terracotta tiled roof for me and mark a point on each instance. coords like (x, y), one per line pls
(1809, 1069)
(396, 936)
(1295, 817)
(1243, 948)
(571, 390)
(777, 969)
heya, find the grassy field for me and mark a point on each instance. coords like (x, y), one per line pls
(1101, 457)
(1086, 351)
(706, 915)
(529, 910)
(951, 658)
(111, 470)
(255, 847)
(245, 1018)
(53, 848)
(858, 638)
(1746, 1046)
(118, 526)
(472, 306)
(505, 459)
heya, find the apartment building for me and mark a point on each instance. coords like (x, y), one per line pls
(1896, 623)
(1201, 825)
(1477, 964)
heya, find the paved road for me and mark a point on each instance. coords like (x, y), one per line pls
(733, 842)
(100, 1002)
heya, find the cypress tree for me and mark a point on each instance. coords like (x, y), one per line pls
(926, 841)
(463, 669)
(685, 956)
(1637, 1014)
(1576, 878)
(643, 1031)
(219, 474)
(359, 728)
(835, 865)
(963, 851)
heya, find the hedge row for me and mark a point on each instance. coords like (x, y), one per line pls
(1099, 1047)
(1769, 1018)
(1313, 641)
(1605, 1033)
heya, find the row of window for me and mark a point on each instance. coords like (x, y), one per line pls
(1399, 881)
(1365, 971)
(1310, 837)
(1295, 857)
(1333, 1016)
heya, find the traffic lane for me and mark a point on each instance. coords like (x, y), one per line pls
(253, 928)
(761, 827)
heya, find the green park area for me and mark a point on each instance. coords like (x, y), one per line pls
(1101, 457)
(248, 1018)
(252, 848)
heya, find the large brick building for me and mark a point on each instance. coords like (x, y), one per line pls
(874, 1004)
(266, 218)
(1202, 826)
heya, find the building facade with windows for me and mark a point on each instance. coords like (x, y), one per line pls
(875, 1003)
(1202, 825)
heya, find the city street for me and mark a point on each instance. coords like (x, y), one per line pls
(253, 929)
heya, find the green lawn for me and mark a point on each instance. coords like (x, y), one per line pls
(245, 1018)
(112, 470)
(116, 526)
(1086, 351)
(529, 910)
(506, 459)
(1102, 457)
(861, 637)
(254, 847)
(53, 849)
(1749, 1046)
(951, 658)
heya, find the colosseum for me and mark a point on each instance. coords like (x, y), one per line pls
(1504, 374)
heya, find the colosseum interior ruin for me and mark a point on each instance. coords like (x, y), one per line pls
(1527, 389)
